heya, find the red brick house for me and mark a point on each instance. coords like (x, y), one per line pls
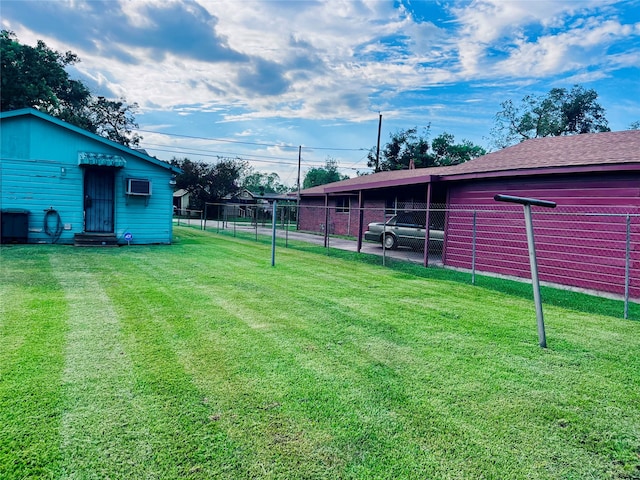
(594, 178)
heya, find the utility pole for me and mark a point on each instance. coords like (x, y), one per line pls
(378, 147)
(298, 200)
(299, 161)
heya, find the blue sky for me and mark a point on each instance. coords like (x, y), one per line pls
(256, 79)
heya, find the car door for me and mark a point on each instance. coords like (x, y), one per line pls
(408, 231)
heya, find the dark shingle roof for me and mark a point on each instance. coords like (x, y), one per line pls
(589, 152)
(609, 148)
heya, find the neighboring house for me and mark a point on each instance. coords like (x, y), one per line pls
(584, 174)
(247, 204)
(243, 204)
(78, 187)
(181, 199)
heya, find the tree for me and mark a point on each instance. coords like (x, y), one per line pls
(406, 147)
(36, 77)
(261, 183)
(114, 119)
(323, 175)
(559, 112)
(635, 125)
(208, 183)
(224, 178)
(446, 152)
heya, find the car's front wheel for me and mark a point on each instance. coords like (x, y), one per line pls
(390, 241)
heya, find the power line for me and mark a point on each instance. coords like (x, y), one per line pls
(198, 151)
(261, 144)
(219, 155)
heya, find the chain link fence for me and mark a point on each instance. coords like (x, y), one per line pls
(188, 217)
(579, 248)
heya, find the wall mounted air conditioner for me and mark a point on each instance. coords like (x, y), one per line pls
(138, 186)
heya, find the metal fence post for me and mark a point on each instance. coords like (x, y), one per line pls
(288, 221)
(256, 215)
(627, 264)
(274, 215)
(326, 221)
(473, 251)
(327, 228)
(225, 217)
(384, 234)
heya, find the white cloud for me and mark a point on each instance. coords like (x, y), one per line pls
(534, 39)
(485, 21)
(326, 60)
(564, 52)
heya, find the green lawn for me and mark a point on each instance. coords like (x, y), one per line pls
(200, 360)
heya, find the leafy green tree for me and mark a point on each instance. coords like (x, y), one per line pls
(635, 125)
(407, 149)
(209, 183)
(323, 175)
(447, 152)
(113, 119)
(36, 77)
(403, 146)
(261, 183)
(225, 178)
(559, 112)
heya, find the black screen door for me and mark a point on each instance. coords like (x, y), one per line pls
(98, 200)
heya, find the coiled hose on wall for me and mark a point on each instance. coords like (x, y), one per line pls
(52, 224)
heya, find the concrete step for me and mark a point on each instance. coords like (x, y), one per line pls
(95, 240)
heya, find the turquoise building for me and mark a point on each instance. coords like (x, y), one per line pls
(62, 184)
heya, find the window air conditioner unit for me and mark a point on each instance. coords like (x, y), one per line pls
(138, 186)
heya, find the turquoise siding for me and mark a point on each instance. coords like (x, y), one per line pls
(39, 170)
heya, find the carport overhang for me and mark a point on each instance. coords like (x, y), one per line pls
(381, 184)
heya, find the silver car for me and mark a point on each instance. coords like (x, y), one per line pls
(406, 229)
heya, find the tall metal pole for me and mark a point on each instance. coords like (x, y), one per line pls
(535, 283)
(526, 203)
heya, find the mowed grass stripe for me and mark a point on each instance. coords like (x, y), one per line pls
(103, 430)
(248, 372)
(148, 420)
(231, 362)
(32, 339)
